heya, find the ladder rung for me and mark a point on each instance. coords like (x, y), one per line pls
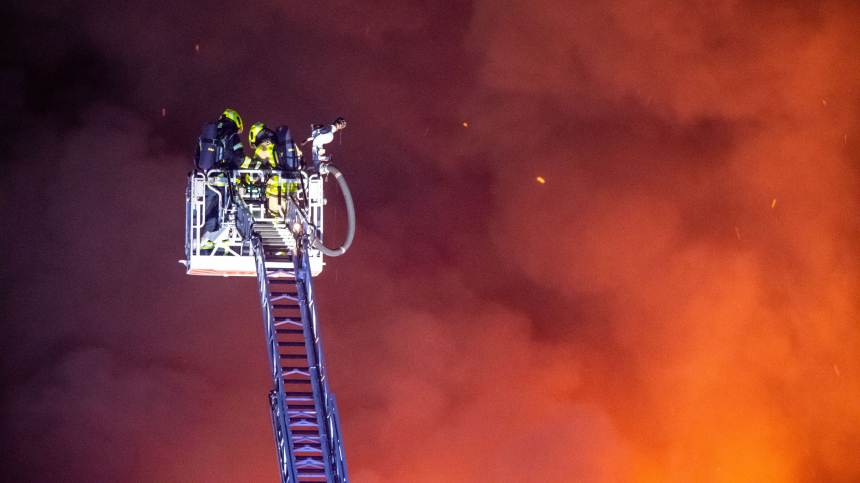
(294, 356)
(294, 369)
(304, 424)
(285, 306)
(292, 413)
(289, 331)
(310, 445)
(308, 439)
(314, 458)
(279, 274)
(281, 320)
(297, 407)
(291, 344)
(306, 449)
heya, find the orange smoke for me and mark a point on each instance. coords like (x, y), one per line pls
(743, 348)
(715, 337)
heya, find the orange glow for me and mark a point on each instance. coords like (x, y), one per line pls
(608, 328)
(722, 335)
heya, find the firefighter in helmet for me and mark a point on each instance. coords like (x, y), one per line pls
(259, 134)
(261, 139)
(220, 144)
(264, 158)
(229, 128)
(231, 154)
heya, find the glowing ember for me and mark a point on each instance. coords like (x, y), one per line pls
(465, 124)
(541, 180)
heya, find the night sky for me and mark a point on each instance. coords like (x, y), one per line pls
(678, 302)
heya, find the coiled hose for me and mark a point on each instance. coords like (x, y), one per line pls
(350, 214)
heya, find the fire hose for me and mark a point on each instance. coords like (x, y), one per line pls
(350, 213)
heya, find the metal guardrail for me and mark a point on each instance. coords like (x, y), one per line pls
(231, 253)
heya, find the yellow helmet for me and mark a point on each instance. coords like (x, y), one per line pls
(259, 134)
(255, 130)
(233, 116)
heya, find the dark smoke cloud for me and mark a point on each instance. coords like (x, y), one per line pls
(650, 313)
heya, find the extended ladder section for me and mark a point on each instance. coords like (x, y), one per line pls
(269, 223)
(304, 411)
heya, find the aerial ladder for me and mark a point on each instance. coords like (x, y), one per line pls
(270, 225)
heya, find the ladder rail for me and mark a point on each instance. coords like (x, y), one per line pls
(277, 397)
(325, 406)
(327, 417)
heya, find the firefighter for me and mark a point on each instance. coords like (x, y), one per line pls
(277, 191)
(262, 162)
(260, 137)
(231, 154)
(277, 187)
(259, 134)
(229, 129)
(263, 140)
(220, 143)
(264, 155)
